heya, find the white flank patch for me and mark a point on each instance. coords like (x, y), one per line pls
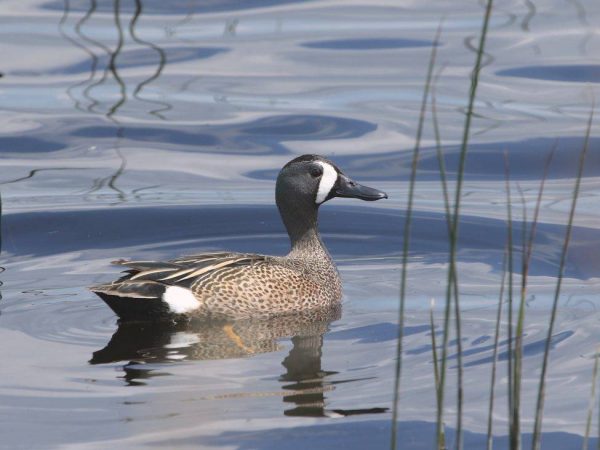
(180, 300)
(327, 182)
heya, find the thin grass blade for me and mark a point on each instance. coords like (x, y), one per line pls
(490, 437)
(537, 429)
(588, 423)
(452, 282)
(406, 240)
(509, 243)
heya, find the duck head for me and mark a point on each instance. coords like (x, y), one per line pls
(314, 179)
(307, 182)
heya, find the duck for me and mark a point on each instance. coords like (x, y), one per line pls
(229, 285)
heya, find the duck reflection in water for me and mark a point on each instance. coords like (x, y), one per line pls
(304, 381)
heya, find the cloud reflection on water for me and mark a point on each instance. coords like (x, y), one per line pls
(243, 91)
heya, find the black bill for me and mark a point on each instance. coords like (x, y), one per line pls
(345, 187)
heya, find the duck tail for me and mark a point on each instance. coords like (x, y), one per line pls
(135, 303)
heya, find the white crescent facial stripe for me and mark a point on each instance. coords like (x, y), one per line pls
(327, 182)
(180, 300)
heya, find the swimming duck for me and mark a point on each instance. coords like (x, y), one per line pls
(242, 285)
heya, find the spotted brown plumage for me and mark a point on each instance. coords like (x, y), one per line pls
(239, 285)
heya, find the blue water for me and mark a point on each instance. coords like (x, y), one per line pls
(148, 130)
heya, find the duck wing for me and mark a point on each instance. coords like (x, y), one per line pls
(151, 290)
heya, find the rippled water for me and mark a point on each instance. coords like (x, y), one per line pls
(153, 129)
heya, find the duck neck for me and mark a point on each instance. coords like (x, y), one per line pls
(300, 220)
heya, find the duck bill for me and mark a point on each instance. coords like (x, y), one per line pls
(348, 188)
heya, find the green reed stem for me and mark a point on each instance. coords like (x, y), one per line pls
(434, 355)
(459, 363)
(527, 249)
(443, 180)
(405, 245)
(588, 423)
(439, 150)
(452, 276)
(537, 429)
(495, 356)
(536, 215)
(518, 354)
(509, 244)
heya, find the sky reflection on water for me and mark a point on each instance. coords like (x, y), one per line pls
(152, 129)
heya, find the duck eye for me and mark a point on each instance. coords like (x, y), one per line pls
(316, 171)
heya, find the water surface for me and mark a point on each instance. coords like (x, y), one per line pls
(135, 129)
